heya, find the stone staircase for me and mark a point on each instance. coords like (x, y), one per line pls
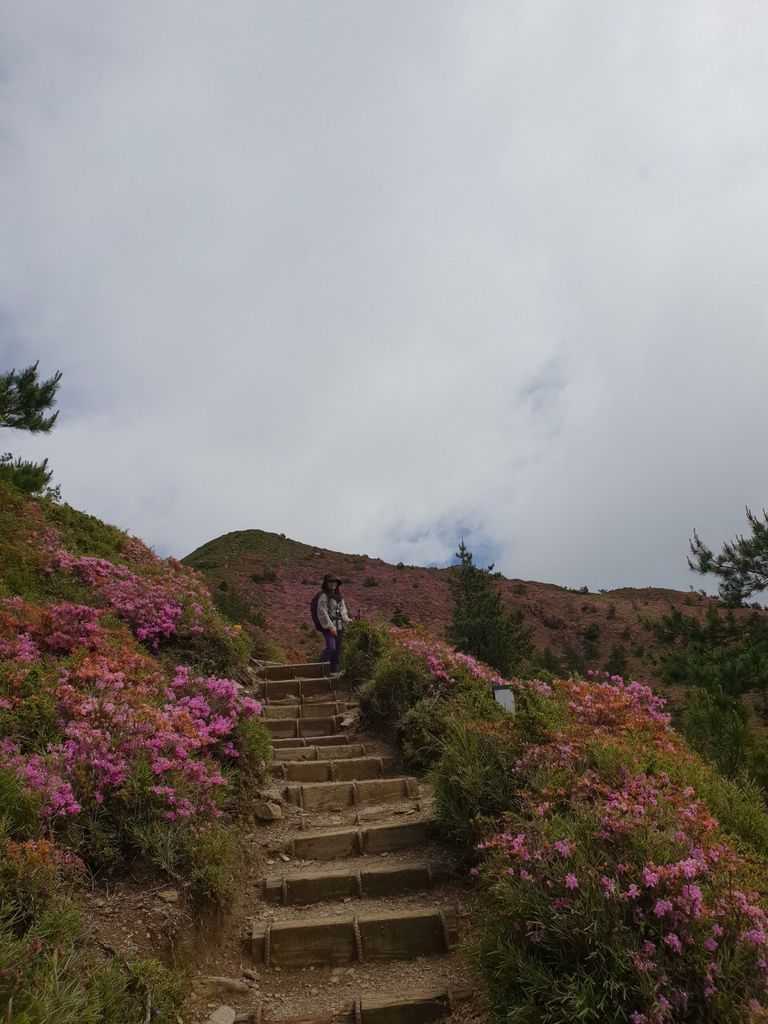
(362, 908)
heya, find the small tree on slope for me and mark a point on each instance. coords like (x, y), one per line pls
(480, 625)
(25, 404)
(742, 565)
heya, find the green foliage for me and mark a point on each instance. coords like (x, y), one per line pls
(475, 780)
(617, 664)
(254, 742)
(364, 644)
(479, 624)
(370, 581)
(724, 652)
(547, 661)
(590, 635)
(217, 650)
(742, 565)
(32, 478)
(25, 404)
(424, 728)
(715, 724)
(25, 400)
(399, 681)
(125, 993)
(573, 661)
(400, 618)
(84, 534)
(50, 972)
(19, 809)
(268, 576)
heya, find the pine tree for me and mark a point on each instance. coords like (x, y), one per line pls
(480, 625)
(742, 565)
(25, 404)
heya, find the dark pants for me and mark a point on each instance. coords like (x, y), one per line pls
(332, 649)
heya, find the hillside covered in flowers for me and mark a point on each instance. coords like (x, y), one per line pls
(124, 741)
(266, 581)
(621, 878)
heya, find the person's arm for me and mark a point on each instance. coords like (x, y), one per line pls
(322, 613)
(344, 614)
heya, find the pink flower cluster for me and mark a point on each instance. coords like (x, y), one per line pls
(115, 706)
(684, 920)
(145, 606)
(445, 662)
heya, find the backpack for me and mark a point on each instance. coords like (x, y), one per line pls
(313, 610)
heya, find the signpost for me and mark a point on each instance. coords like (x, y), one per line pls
(503, 695)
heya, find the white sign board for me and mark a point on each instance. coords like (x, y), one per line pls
(504, 697)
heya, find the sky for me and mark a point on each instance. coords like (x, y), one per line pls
(381, 275)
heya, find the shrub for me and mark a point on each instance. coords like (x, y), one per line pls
(617, 664)
(364, 644)
(400, 618)
(370, 581)
(267, 576)
(613, 893)
(49, 972)
(399, 681)
(715, 724)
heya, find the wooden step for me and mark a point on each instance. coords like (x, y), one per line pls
(343, 770)
(337, 795)
(282, 727)
(316, 710)
(283, 689)
(370, 881)
(408, 1008)
(315, 698)
(319, 753)
(399, 935)
(411, 1008)
(309, 670)
(354, 842)
(315, 741)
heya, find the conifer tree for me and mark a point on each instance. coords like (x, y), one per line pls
(742, 565)
(480, 625)
(25, 404)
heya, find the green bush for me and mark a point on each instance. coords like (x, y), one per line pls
(254, 742)
(422, 732)
(399, 682)
(19, 808)
(400, 618)
(475, 780)
(217, 650)
(49, 971)
(364, 644)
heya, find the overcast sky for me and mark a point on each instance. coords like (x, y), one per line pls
(376, 274)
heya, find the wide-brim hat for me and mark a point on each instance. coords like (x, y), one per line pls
(331, 578)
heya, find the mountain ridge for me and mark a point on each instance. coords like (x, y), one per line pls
(269, 579)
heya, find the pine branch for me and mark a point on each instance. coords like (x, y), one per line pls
(25, 400)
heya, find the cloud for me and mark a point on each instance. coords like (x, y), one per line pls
(364, 274)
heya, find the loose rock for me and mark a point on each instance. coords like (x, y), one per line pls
(266, 811)
(214, 984)
(224, 1015)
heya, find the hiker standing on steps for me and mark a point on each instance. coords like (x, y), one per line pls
(331, 617)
